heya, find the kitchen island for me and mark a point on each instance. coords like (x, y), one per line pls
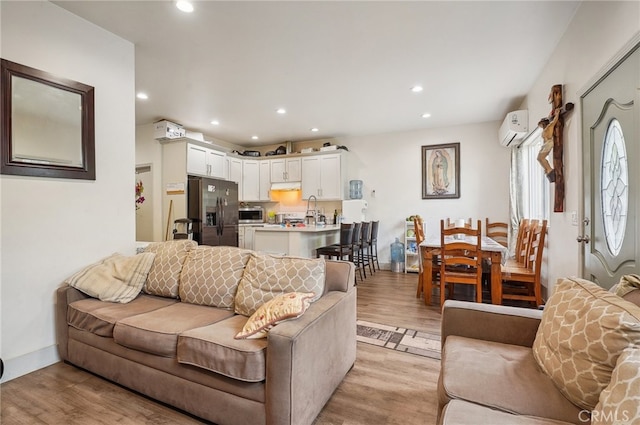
(295, 241)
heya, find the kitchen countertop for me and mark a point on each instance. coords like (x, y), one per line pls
(305, 229)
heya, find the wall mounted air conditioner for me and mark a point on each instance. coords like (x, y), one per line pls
(514, 129)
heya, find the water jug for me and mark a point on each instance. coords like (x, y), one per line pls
(355, 189)
(397, 256)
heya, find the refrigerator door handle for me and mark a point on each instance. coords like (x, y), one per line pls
(217, 216)
(222, 216)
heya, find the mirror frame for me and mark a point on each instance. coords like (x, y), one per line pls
(8, 165)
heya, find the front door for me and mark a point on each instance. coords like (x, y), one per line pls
(611, 154)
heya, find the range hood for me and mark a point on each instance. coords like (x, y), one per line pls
(286, 186)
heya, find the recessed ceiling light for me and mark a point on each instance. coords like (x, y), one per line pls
(281, 111)
(315, 129)
(142, 96)
(426, 115)
(184, 6)
(215, 122)
(416, 89)
(254, 137)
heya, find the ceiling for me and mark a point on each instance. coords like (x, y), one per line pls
(345, 68)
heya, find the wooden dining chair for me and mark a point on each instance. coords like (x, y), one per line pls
(418, 229)
(460, 259)
(498, 231)
(522, 281)
(523, 241)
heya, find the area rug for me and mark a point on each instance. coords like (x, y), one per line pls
(399, 339)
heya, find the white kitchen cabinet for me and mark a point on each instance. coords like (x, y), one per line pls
(234, 166)
(205, 162)
(285, 170)
(265, 180)
(323, 176)
(250, 180)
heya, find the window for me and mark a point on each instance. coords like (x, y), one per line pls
(529, 187)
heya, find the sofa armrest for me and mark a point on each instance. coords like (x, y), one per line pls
(307, 358)
(507, 325)
(65, 295)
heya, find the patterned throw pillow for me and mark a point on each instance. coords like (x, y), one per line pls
(283, 307)
(584, 329)
(164, 275)
(620, 401)
(211, 275)
(116, 278)
(267, 276)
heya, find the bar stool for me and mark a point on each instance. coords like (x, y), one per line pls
(365, 243)
(355, 242)
(342, 250)
(373, 245)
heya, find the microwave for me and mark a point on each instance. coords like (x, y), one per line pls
(247, 215)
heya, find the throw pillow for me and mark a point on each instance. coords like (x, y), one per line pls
(267, 276)
(116, 278)
(620, 401)
(583, 330)
(211, 275)
(164, 276)
(283, 307)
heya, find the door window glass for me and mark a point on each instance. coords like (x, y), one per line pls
(614, 186)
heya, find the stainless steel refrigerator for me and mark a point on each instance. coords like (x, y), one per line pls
(213, 207)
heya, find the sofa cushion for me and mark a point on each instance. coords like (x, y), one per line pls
(156, 332)
(116, 278)
(584, 329)
(267, 276)
(458, 412)
(620, 401)
(283, 307)
(164, 276)
(500, 376)
(98, 317)
(211, 275)
(214, 348)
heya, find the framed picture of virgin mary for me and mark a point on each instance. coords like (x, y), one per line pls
(441, 171)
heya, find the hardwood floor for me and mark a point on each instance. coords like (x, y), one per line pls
(384, 386)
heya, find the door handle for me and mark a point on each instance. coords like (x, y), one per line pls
(584, 239)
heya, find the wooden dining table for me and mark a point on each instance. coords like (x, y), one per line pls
(491, 250)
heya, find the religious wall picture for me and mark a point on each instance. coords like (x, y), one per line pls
(441, 171)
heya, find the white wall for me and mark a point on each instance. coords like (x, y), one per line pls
(53, 227)
(597, 32)
(391, 165)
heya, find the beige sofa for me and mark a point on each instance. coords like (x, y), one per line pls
(576, 362)
(176, 341)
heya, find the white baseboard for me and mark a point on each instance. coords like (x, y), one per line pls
(16, 367)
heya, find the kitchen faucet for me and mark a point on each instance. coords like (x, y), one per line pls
(315, 209)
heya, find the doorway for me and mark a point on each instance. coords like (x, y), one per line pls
(144, 210)
(610, 134)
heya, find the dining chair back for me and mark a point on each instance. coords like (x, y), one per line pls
(460, 259)
(498, 231)
(355, 243)
(522, 282)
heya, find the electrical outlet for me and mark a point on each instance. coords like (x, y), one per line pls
(574, 218)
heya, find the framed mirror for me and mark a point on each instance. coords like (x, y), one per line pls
(47, 124)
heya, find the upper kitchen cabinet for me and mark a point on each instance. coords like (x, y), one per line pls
(235, 173)
(285, 170)
(251, 180)
(323, 176)
(265, 180)
(205, 162)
